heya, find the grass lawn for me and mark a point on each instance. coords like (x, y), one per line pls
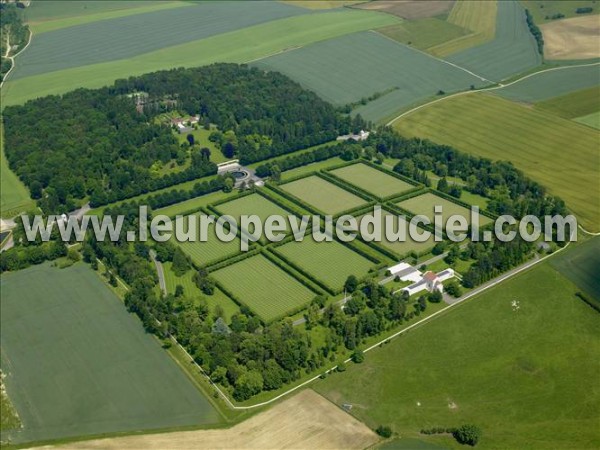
(192, 204)
(192, 292)
(14, 196)
(532, 140)
(323, 195)
(575, 104)
(591, 120)
(213, 249)
(512, 50)
(424, 205)
(263, 287)
(372, 180)
(238, 46)
(328, 262)
(384, 65)
(102, 372)
(201, 139)
(580, 265)
(314, 167)
(512, 373)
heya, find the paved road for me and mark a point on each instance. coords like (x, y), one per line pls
(160, 272)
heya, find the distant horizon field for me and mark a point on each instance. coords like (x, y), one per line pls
(240, 46)
(509, 372)
(534, 141)
(102, 372)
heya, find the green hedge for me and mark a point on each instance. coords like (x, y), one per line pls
(286, 266)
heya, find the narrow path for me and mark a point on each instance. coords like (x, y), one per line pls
(12, 58)
(160, 272)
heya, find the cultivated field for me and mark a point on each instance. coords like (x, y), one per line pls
(479, 17)
(509, 372)
(550, 84)
(540, 144)
(321, 4)
(305, 420)
(263, 287)
(591, 120)
(409, 9)
(77, 363)
(371, 64)
(512, 50)
(238, 46)
(14, 196)
(575, 38)
(543, 10)
(402, 249)
(580, 265)
(192, 292)
(126, 37)
(213, 249)
(372, 180)
(424, 33)
(573, 105)
(323, 195)
(328, 262)
(424, 205)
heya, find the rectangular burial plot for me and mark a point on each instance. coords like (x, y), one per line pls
(372, 180)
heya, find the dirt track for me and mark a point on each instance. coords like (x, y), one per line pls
(305, 421)
(576, 38)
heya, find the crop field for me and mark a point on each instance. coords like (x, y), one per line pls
(372, 180)
(305, 420)
(386, 65)
(125, 37)
(14, 196)
(509, 372)
(238, 46)
(580, 265)
(591, 120)
(321, 4)
(576, 104)
(479, 17)
(191, 291)
(543, 10)
(532, 140)
(401, 249)
(263, 287)
(512, 50)
(329, 262)
(323, 195)
(101, 371)
(51, 15)
(424, 205)
(546, 85)
(411, 9)
(424, 33)
(575, 38)
(213, 249)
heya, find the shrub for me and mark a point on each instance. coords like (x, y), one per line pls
(358, 356)
(467, 434)
(384, 431)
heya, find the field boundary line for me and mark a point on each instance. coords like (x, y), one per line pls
(493, 88)
(434, 57)
(588, 232)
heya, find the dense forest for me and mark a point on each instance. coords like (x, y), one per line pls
(13, 32)
(101, 144)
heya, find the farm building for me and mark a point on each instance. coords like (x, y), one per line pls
(431, 281)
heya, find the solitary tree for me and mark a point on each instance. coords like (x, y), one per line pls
(351, 284)
(190, 139)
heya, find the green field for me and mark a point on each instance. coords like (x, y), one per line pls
(133, 35)
(310, 168)
(203, 253)
(192, 292)
(192, 204)
(263, 287)
(540, 144)
(546, 85)
(580, 265)
(371, 63)
(424, 33)
(515, 374)
(479, 17)
(573, 105)
(14, 196)
(591, 120)
(543, 10)
(239, 46)
(84, 12)
(401, 249)
(424, 205)
(328, 262)
(77, 363)
(323, 195)
(513, 49)
(372, 180)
